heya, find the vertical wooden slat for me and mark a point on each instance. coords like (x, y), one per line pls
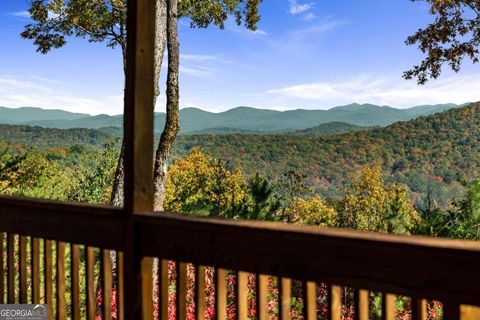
(35, 267)
(362, 305)
(221, 294)
(138, 147)
(106, 270)
(147, 288)
(419, 309)
(469, 312)
(2, 269)
(181, 291)
(23, 270)
(285, 298)
(75, 281)
(451, 311)
(242, 295)
(309, 300)
(120, 287)
(163, 290)
(90, 282)
(11, 267)
(48, 276)
(261, 296)
(335, 305)
(61, 306)
(200, 292)
(388, 306)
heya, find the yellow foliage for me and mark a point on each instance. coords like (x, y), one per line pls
(312, 211)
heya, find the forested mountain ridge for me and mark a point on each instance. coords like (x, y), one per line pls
(429, 154)
(241, 119)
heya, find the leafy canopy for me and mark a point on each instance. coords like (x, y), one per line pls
(105, 20)
(454, 35)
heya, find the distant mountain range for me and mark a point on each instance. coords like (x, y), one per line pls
(237, 120)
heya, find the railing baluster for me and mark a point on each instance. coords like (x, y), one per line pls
(23, 270)
(388, 306)
(285, 298)
(261, 296)
(221, 294)
(181, 291)
(335, 305)
(120, 287)
(106, 270)
(451, 311)
(90, 282)
(362, 305)
(419, 309)
(75, 281)
(2, 268)
(146, 266)
(163, 290)
(61, 314)
(11, 268)
(309, 300)
(48, 276)
(200, 292)
(242, 295)
(35, 268)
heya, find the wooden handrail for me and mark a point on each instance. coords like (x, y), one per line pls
(418, 267)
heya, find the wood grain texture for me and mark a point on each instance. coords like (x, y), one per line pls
(362, 305)
(285, 298)
(106, 273)
(309, 292)
(436, 269)
(469, 312)
(35, 267)
(181, 291)
(200, 292)
(261, 296)
(220, 294)
(388, 306)
(335, 305)
(241, 295)
(120, 286)
(61, 303)
(146, 277)
(163, 289)
(11, 268)
(74, 223)
(75, 281)
(23, 270)
(90, 282)
(48, 276)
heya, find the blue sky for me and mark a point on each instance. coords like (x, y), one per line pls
(305, 54)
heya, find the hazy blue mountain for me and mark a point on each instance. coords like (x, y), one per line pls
(28, 114)
(238, 120)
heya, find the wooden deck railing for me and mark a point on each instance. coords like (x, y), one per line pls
(59, 254)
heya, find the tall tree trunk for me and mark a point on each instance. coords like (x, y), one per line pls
(160, 41)
(172, 125)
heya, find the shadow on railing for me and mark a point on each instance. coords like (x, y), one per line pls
(229, 269)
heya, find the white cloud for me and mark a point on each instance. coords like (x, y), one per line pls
(20, 14)
(297, 8)
(199, 57)
(383, 90)
(38, 92)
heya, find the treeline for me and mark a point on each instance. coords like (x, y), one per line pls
(434, 155)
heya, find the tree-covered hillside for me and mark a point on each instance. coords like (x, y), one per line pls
(430, 154)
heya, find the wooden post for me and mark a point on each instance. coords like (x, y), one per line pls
(138, 136)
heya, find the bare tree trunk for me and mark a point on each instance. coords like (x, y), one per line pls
(172, 125)
(160, 41)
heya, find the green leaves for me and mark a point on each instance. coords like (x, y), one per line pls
(452, 37)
